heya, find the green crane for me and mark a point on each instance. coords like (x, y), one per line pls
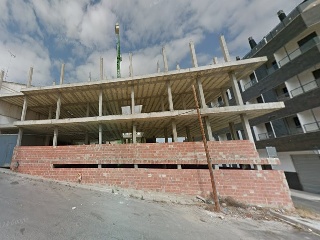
(119, 58)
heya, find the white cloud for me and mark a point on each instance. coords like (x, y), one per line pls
(85, 31)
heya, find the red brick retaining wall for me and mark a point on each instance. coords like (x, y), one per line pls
(263, 187)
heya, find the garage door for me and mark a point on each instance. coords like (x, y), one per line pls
(308, 169)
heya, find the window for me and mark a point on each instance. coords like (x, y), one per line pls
(316, 74)
(297, 122)
(259, 99)
(306, 39)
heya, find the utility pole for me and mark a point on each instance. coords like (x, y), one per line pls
(119, 58)
(214, 188)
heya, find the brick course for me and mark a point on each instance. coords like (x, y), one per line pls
(264, 187)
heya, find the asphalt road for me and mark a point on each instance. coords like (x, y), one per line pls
(33, 209)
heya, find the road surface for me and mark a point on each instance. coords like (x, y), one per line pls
(35, 209)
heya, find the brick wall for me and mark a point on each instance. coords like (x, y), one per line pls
(264, 187)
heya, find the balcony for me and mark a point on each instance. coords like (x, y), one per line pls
(264, 136)
(297, 52)
(312, 127)
(283, 97)
(250, 84)
(305, 88)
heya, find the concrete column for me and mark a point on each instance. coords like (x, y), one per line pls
(174, 131)
(209, 131)
(178, 66)
(246, 127)
(201, 94)
(165, 60)
(233, 131)
(100, 103)
(130, 65)
(62, 74)
(134, 133)
(101, 68)
(193, 54)
(166, 135)
(50, 113)
(215, 60)
(170, 96)
(58, 110)
(1, 78)
(30, 77)
(188, 133)
(24, 108)
(158, 67)
(162, 105)
(224, 48)
(55, 137)
(100, 133)
(132, 100)
(224, 98)
(235, 88)
(19, 139)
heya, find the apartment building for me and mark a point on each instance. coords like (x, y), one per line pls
(291, 75)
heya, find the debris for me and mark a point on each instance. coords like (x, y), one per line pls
(73, 208)
(201, 198)
(221, 217)
(223, 204)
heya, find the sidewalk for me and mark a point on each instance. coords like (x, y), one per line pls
(305, 195)
(296, 220)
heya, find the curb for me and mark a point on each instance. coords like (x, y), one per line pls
(296, 223)
(70, 184)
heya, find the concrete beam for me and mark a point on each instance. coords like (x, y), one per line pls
(30, 77)
(62, 74)
(224, 48)
(193, 54)
(170, 96)
(165, 60)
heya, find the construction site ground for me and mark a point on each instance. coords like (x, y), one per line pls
(35, 208)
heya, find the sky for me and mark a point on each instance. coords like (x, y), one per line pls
(43, 34)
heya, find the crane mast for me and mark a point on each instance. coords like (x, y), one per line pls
(119, 58)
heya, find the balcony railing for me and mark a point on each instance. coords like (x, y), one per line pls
(284, 97)
(312, 127)
(305, 88)
(250, 84)
(297, 52)
(267, 135)
(290, 17)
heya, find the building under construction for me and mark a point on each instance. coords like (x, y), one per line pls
(106, 132)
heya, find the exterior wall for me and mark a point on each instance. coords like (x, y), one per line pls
(263, 187)
(259, 129)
